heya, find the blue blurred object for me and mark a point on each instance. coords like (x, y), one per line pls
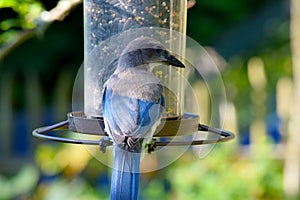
(21, 139)
(273, 127)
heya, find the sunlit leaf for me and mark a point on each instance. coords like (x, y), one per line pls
(23, 182)
(45, 158)
(29, 175)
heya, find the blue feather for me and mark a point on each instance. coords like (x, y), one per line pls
(125, 175)
(128, 116)
(123, 112)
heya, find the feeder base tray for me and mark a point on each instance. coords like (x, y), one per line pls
(169, 128)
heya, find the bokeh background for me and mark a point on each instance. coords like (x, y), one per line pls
(256, 44)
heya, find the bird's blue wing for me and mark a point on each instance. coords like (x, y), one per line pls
(149, 113)
(111, 126)
(129, 117)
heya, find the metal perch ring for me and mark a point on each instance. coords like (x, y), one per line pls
(77, 123)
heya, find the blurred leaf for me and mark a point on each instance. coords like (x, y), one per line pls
(22, 183)
(27, 12)
(25, 180)
(155, 190)
(6, 189)
(70, 190)
(225, 175)
(45, 158)
(68, 159)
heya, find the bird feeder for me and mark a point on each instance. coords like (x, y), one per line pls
(109, 25)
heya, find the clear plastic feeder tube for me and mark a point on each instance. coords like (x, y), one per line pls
(106, 19)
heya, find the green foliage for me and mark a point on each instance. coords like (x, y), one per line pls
(225, 175)
(21, 184)
(68, 190)
(27, 12)
(155, 190)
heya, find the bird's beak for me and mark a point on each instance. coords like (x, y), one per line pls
(172, 60)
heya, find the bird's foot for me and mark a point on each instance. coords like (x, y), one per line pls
(151, 146)
(133, 144)
(104, 142)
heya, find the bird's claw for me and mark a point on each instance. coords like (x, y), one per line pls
(151, 146)
(131, 142)
(104, 142)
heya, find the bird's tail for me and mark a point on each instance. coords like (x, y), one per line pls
(125, 174)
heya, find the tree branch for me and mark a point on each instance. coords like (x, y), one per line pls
(58, 13)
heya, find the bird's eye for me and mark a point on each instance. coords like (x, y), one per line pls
(158, 50)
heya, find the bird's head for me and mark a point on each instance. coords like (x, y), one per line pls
(145, 50)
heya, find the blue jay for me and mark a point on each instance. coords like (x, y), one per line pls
(132, 105)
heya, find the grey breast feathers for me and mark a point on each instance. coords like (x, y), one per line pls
(137, 84)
